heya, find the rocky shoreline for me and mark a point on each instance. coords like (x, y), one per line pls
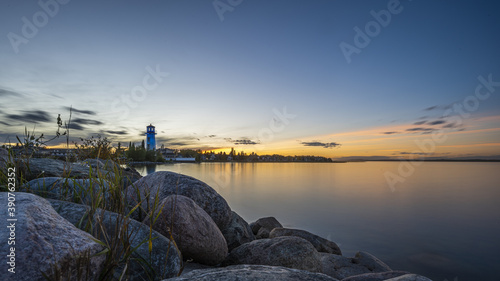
(178, 227)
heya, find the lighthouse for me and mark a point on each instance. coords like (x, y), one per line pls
(151, 139)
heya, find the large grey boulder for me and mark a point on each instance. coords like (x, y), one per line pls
(196, 234)
(263, 226)
(45, 243)
(4, 158)
(252, 273)
(86, 191)
(342, 267)
(238, 232)
(321, 244)
(291, 252)
(163, 184)
(410, 277)
(380, 276)
(192, 266)
(107, 168)
(163, 261)
(34, 168)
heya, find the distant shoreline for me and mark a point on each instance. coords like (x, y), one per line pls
(333, 162)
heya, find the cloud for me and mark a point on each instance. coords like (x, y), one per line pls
(450, 126)
(88, 112)
(440, 107)
(76, 126)
(4, 93)
(180, 141)
(212, 136)
(245, 142)
(419, 129)
(322, 144)
(437, 122)
(420, 123)
(122, 132)
(389, 133)
(31, 116)
(84, 121)
(413, 153)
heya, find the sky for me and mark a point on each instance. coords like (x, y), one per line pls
(331, 78)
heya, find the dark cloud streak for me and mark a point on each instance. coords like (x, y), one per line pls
(321, 144)
(31, 116)
(87, 112)
(84, 121)
(4, 93)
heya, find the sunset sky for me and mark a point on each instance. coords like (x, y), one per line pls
(330, 78)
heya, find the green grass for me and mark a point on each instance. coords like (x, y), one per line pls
(118, 249)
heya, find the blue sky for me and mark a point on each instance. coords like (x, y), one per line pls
(227, 78)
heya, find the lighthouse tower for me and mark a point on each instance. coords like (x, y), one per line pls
(151, 139)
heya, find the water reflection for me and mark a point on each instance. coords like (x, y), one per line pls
(441, 222)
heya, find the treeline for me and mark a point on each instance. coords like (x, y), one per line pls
(140, 154)
(233, 156)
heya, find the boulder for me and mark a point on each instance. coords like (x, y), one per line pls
(108, 168)
(371, 262)
(34, 168)
(238, 232)
(410, 277)
(192, 266)
(252, 273)
(100, 165)
(163, 184)
(342, 267)
(263, 226)
(164, 260)
(45, 243)
(381, 276)
(45, 167)
(321, 244)
(85, 191)
(195, 233)
(4, 158)
(289, 251)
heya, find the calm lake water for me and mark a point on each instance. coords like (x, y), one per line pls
(442, 222)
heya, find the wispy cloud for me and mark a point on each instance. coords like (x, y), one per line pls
(83, 121)
(87, 112)
(35, 116)
(4, 93)
(321, 144)
(437, 122)
(244, 141)
(76, 126)
(122, 132)
(419, 129)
